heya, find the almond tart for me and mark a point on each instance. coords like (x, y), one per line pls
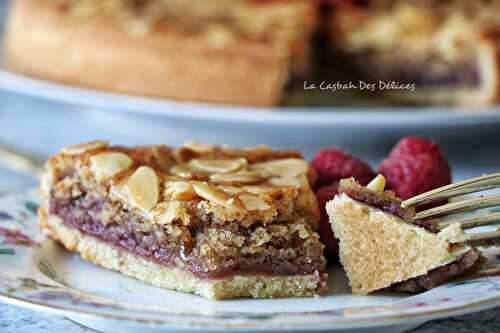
(216, 221)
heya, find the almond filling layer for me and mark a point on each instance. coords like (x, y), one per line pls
(192, 249)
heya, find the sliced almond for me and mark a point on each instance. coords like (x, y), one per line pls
(253, 202)
(287, 167)
(163, 158)
(198, 147)
(109, 164)
(218, 165)
(377, 184)
(299, 181)
(182, 170)
(143, 188)
(231, 190)
(239, 177)
(256, 189)
(84, 147)
(179, 190)
(214, 195)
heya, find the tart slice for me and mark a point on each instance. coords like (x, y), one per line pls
(216, 221)
(380, 248)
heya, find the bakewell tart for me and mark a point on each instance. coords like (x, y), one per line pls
(216, 221)
(381, 249)
(448, 49)
(231, 51)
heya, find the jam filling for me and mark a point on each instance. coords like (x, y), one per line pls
(391, 206)
(86, 212)
(469, 262)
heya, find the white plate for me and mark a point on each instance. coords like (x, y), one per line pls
(39, 274)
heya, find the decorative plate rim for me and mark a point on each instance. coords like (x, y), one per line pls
(361, 316)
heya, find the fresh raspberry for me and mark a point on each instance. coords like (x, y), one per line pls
(325, 194)
(415, 166)
(334, 164)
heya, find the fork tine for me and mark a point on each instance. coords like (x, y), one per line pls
(483, 201)
(477, 184)
(484, 239)
(471, 222)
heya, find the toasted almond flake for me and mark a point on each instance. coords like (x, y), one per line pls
(287, 182)
(253, 202)
(182, 170)
(106, 165)
(218, 165)
(212, 194)
(84, 147)
(163, 158)
(377, 184)
(256, 189)
(143, 188)
(198, 147)
(287, 167)
(179, 190)
(239, 177)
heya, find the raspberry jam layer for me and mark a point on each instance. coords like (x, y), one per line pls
(86, 214)
(470, 261)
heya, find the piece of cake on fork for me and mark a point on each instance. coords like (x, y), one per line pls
(380, 247)
(216, 221)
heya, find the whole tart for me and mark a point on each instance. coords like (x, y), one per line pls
(449, 50)
(230, 51)
(216, 221)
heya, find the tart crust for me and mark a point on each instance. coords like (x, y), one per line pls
(257, 286)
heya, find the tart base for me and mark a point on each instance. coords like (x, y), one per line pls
(257, 286)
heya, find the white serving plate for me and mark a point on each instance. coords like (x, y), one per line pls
(43, 276)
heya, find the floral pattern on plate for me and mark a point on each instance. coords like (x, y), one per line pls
(37, 272)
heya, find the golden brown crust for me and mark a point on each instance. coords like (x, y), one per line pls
(167, 62)
(217, 212)
(171, 278)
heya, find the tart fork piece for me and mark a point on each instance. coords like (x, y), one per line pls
(434, 216)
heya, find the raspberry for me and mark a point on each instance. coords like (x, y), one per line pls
(334, 164)
(415, 166)
(325, 194)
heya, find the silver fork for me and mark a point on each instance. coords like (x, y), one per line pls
(473, 185)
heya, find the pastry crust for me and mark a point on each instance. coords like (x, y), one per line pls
(169, 61)
(257, 286)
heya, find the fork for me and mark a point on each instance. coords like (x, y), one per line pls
(433, 216)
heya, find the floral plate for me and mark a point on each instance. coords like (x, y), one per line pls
(37, 273)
